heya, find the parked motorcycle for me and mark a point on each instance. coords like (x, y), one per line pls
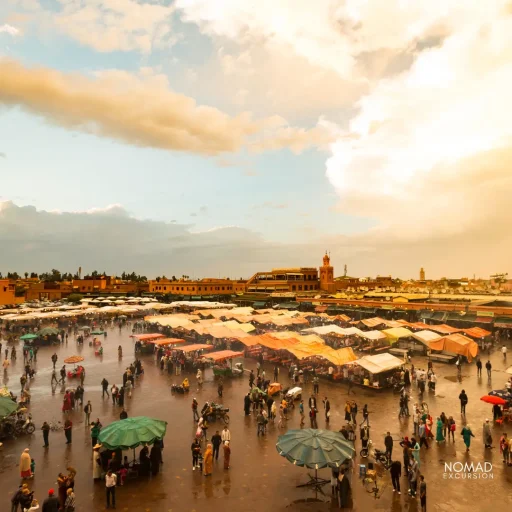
(212, 411)
(24, 426)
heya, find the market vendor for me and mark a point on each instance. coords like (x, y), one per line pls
(185, 384)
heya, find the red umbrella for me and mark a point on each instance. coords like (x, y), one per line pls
(494, 400)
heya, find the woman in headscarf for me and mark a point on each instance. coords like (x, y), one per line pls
(66, 404)
(487, 434)
(70, 501)
(144, 461)
(227, 454)
(96, 462)
(439, 431)
(348, 410)
(156, 458)
(208, 460)
(415, 450)
(25, 471)
(467, 434)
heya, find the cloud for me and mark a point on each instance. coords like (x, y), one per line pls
(143, 111)
(432, 147)
(10, 30)
(104, 25)
(36, 240)
(3, 155)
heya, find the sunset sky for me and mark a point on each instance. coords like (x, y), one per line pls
(225, 137)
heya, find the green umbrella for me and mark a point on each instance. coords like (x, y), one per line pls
(84, 328)
(7, 406)
(48, 331)
(97, 332)
(315, 449)
(29, 337)
(132, 432)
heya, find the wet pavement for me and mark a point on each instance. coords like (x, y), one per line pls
(259, 479)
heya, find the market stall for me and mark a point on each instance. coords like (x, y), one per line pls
(377, 370)
(221, 368)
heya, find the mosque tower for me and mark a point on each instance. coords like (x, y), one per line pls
(422, 274)
(327, 275)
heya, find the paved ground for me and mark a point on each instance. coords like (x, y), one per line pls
(259, 479)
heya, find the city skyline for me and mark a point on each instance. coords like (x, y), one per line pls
(224, 138)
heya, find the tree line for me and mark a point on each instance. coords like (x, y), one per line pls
(56, 275)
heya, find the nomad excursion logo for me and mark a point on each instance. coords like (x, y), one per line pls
(468, 471)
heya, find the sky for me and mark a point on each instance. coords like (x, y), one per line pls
(225, 137)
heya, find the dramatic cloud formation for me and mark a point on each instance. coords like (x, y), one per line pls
(432, 147)
(144, 111)
(36, 241)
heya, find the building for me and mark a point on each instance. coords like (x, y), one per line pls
(200, 287)
(48, 290)
(422, 274)
(108, 285)
(7, 292)
(301, 279)
(327, 275)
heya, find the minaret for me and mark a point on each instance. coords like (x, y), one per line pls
(326, 274)
(422, 274)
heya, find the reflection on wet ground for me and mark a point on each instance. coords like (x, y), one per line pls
(259, 479)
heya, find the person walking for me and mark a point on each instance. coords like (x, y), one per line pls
(104, 388)
(388, 443)
(439, 431)
(366, 416)
(413, 477)
(225, 435)
(396, 474)
(51, 504)
(196, 451)
(195, 414)
(467, 434)
(16, 498)
(110, 486)
(487, 434)
(220, 388)
(95, 432)
(327, 408)
(478, 366)
(208, 461)
(315, 385)
(68, 425)
(505, 448)
(62, 374)
(46, 432)
(216, 442)
(301, 412)
(25, 471)
(423, 494)
(353, 411)
(488, 367)
(463, 402)
(504, 352)
(423, 434)
(88, 411)
(451, 428)
(54, 359)
(312, 417)
(227, 454)
(276, 373)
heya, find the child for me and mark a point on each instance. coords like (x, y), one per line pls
(122, 474)
(33, 466)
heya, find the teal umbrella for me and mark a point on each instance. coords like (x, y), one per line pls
(7, 406)
(97, 332)
(29, 337)
(315, 449)
(48, 331)
(132, 432)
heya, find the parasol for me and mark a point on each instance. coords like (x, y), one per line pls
(494, 400)
(501, 393)
(29, 337)
(98, 333)
(84, 328)
(73, 359)
(48, 331)
(132, 432)
(7, 406)
(315, 449)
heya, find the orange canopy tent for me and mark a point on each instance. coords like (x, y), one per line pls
(166, 341)
(147, 337)
(477, 332)
(456, 344)
(196, 346)
(223, 355)
(444, 329)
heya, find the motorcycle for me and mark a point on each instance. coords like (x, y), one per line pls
(179, 389)
(24, 426)
(378, 455)
(214, 411)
